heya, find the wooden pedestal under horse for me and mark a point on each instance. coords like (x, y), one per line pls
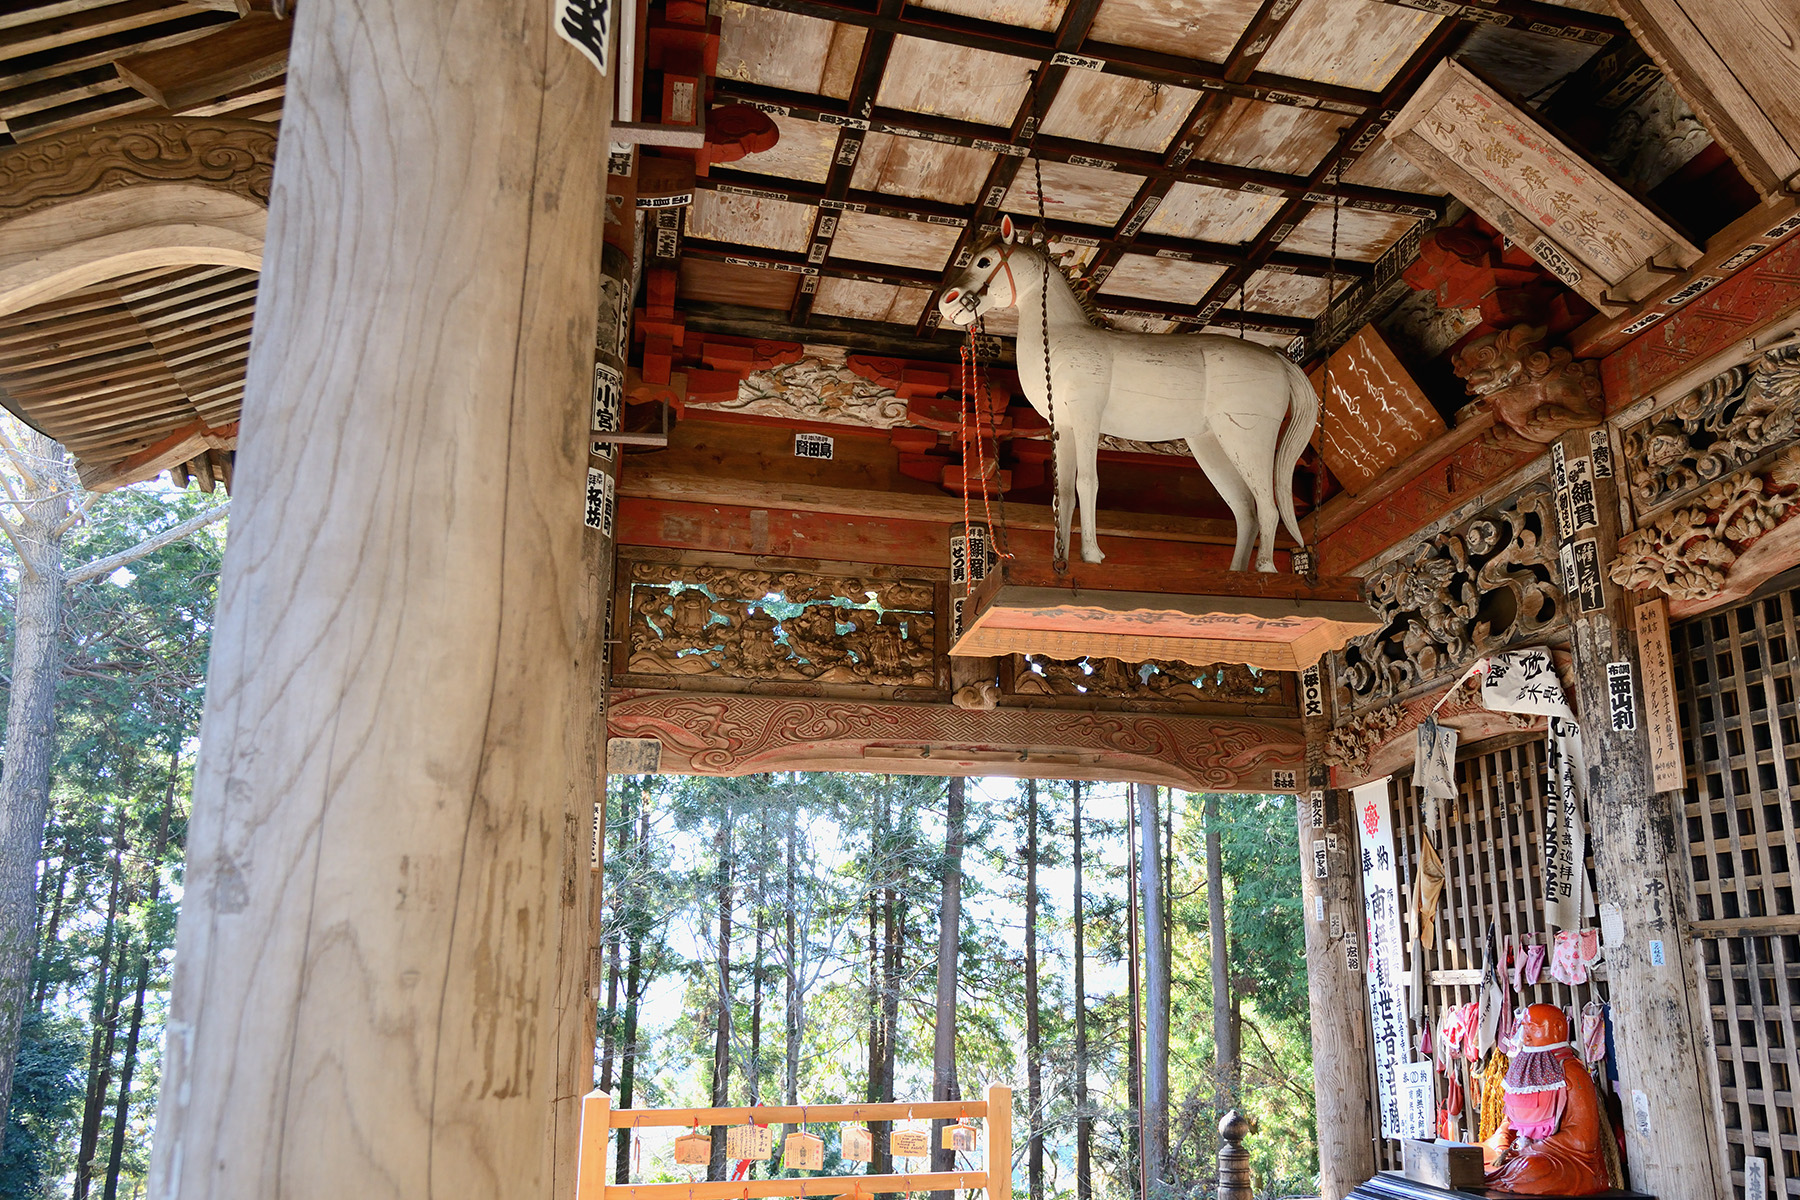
(1228, 397)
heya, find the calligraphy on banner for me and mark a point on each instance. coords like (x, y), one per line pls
(1381, 904)
(1667, 768)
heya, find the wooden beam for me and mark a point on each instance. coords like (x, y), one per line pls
(176, 447)
(251, 51)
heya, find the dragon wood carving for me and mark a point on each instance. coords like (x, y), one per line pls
(1490, 584)
(1727, 422)
(742, 734)
(1154, 680)
(223, 152)
(1535, 390)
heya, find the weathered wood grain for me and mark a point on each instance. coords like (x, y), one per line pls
(1353, 43)
(1117, 110)
(906, 166)
(1193, 210)
(805, 151)
(750, 220)
(1271, 137)
(954, 81)
(1161, 279)
(870, 301)
(867, 237)
(1363, 236)
(383, 942)
(785, 50)
(1085, 195)
(727, 283)
(1206, 30)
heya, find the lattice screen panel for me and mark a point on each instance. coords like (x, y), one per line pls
(1734, 672)
(1491, 842)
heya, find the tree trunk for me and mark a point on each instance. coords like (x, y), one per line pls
(884, 1159)
(102, 1026)
(1226, 1067)
(30, 730)
(122, 1111)
(1034, 1079)
(791, 1017)
(1134, 1119)
(721, 1068)
(628, 1049)
(610, 1016)
(52, 926)
(943, 1042)
(1084, 1124)
(1156, 997)
(753, 1093)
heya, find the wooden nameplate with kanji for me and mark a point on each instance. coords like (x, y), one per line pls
(1274, 622)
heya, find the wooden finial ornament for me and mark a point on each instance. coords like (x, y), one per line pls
(856, 1144)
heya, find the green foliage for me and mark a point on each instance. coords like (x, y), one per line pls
(46, 1103)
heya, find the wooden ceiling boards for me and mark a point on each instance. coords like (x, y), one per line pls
(1119, 111)
(1028, 14)
(752, 220)
(954, 81)
(1353, 43)
(1271, 137)
(788, 51)
(805, 151)
(1372, 414)
(1159, 279)
(1361, 236)
(903, 166)
(870, 301)
(1083, 195)
(1203, 29)
(866, 237)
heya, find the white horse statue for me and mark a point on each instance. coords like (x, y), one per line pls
(1228, 397)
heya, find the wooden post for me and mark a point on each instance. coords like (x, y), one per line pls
(1638, 845)
(596, 1130)
(383, 983)
(999, 1142)
(1340, 1025)
(1235, 1180)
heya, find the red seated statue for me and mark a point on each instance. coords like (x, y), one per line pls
(1549, 1143)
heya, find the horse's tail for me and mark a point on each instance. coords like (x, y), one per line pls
(1303, 410)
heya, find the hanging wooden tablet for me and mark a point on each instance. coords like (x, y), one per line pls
(856, 1144)
(803, 1152)
(909, 1143)
(750, 1141)
(961, 1137)
(693, 1150)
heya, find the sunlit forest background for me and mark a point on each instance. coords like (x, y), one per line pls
(772, 939)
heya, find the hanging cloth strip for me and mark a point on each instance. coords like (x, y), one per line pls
(1493, 999)
(1534, 963)
(1427, 891)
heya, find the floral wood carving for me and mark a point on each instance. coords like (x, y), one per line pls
(1727, 422)
(232, 155)
(1153, 679)
(819, 386)
(1687, 552)
(1349, 745)
(1488, 585)
(742, 734)
(758, 624)
(1536, 391)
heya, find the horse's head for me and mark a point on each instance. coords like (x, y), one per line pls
(1001, 267)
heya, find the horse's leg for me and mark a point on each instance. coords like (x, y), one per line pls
(1249, 442)
(1062, 461)
(1224, 478)
(1087, 486)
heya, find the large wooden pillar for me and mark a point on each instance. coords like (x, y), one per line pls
(382, 987)
(1343, 1103)
(1638, 847)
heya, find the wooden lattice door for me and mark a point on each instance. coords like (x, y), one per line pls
(1735, 675)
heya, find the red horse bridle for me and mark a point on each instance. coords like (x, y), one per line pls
(1005, 264)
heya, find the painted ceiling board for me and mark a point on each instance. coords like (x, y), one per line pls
(714, 282)
(1204, 29)
(1285, 294)
(1031, 14)
(778, 49)
(1085, 195)
(954, 81)
(1361, 236)
(1277, 341)
(1272, 137)
(867, 237)
(1371, 412)
(1119, 111)
(750, 221)
(870, 301)
(1166, 279)
(1383, 166)
(1193, 210)
(805, 151)
(904, 166)
(1351, 43)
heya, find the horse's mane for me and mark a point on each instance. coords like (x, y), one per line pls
(1084, 296)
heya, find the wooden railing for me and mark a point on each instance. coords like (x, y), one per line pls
(598, 1120)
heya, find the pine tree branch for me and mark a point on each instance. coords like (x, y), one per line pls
(18, 462)
(12, 536)
(101, 567)
(69, 522)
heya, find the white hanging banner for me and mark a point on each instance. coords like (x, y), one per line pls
(1522, 681)
(1434, 760)
(1381, 906)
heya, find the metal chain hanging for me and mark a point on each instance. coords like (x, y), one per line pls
(1059, 563)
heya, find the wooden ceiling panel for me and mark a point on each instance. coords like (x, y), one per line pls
(1137, 324)
(1193, 210)
(1272, 137)
(1119, 110)
(714, 282)
(1031, 14)
(870, 301)
(1278, 341)
(1167, 279)
(1352, 43)
(1287, 295)
(1522, 62)
(954, 81)
(904, 166)
(805, 151)
(1362, 236)
(1084, 195)
(750, 221)
(784, 50)
(1204, 29)
(866, 237)
(1383, 166)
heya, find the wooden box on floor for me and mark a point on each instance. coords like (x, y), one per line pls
(1442, 1164)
